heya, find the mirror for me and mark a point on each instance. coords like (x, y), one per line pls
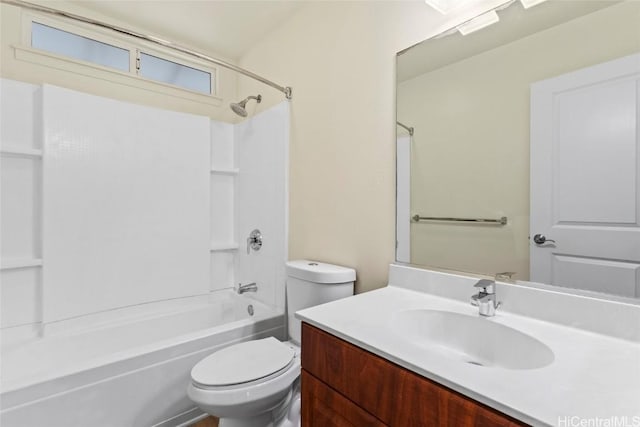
(518, 147)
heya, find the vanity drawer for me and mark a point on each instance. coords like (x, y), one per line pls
(325, 407)
(357, 374)
(393, 394)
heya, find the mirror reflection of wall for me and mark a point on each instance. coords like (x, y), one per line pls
(468, 98)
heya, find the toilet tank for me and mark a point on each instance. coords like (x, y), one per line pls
(312, 283)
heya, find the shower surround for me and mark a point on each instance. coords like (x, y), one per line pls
(116, 214)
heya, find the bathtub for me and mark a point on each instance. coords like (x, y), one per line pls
(126, 368)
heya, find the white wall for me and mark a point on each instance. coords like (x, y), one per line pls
(245, 180)
(20, 209)
(125, 203)
(339, 57)
(223, 205)
(250, 191)
(262, 144)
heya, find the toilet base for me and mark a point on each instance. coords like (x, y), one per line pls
(286, 414)
(262, 420)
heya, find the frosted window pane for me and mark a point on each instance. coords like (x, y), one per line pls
(159, 69)
(68, 44)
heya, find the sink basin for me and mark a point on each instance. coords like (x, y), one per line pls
(471, 339)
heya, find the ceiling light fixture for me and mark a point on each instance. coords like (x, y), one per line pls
(530, 3)
(479, 23)
(445, 6)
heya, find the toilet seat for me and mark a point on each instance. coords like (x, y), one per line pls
(254, 396)
(243, 363)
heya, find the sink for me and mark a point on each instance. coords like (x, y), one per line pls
(471, 339)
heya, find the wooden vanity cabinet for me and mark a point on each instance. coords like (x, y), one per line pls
(344, 385)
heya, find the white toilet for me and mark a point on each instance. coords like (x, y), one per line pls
(255, 383)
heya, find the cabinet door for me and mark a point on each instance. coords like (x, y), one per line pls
(324, 407)
(363, 378)
(423, 403)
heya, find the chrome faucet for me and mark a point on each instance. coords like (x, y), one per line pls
(485, 299)
(249, 287)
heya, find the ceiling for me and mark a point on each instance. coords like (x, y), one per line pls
(515, 23)
(224, 28)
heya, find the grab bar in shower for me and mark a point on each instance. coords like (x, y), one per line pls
(500, 221)
(408, 128)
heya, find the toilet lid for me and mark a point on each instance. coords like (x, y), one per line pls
(244, 362)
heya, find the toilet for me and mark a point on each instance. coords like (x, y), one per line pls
(256, 383)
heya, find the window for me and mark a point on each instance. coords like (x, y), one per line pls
(162, 70)
(78, 47)
(155, 67)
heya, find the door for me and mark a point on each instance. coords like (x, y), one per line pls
(585, 179)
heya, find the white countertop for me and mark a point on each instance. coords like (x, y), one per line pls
(592, 375)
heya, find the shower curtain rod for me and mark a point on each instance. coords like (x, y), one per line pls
(409, 129)
(156, 40)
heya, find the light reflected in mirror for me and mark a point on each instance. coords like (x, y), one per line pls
(533, 119)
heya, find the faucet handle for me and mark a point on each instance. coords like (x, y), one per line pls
(254, 241)
(486, 285)
(505, 276)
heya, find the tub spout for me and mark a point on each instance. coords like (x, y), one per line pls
(249, 287)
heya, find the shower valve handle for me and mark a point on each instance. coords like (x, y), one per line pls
(254, 241)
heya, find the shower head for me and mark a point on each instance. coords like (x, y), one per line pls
(239, 107)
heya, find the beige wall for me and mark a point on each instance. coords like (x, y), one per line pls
(471, 145)
(339, 57)
(79, 78)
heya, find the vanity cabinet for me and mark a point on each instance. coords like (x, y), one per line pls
(344, 385)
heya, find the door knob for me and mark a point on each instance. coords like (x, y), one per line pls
(540, 239)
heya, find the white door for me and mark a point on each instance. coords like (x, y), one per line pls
(585, 179)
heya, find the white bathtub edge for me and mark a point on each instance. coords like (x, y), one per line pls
(185, 419)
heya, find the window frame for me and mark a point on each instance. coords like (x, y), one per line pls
(75, 34)
(44, 57)
(178, 59)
